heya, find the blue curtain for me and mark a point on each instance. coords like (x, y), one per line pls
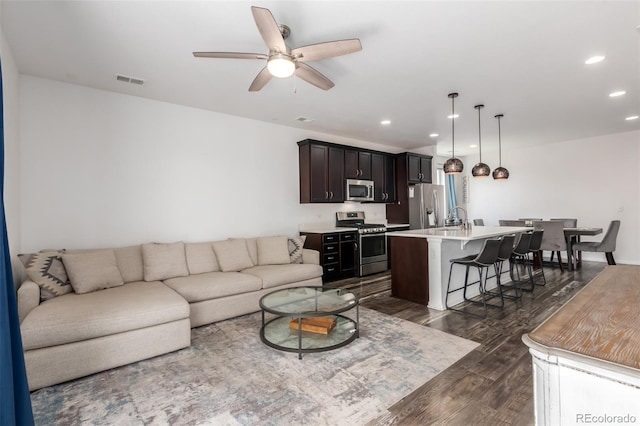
(15, 402)
(452, 195)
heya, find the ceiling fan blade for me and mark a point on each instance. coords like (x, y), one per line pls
(269, 30)
(314, 52)
(312, 76)
(230, 55)
(261, 79)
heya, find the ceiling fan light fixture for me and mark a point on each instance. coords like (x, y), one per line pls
(280, 65)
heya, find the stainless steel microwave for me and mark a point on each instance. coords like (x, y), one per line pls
(359, 190)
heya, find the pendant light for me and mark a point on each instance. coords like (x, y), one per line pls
(480, 170)
(453, 166)
(500, 173)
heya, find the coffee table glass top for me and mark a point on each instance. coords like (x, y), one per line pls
(308, 301)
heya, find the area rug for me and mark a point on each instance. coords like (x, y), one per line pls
(229, 377)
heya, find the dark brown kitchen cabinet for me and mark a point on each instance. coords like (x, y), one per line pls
(419, 168)
(338, 253)
(321, 173)
(383, 176)
(357, 164)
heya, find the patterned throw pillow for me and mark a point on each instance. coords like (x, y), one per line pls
(295, 248)
(47, 270)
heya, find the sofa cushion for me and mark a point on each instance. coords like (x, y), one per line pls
(252, 246)
(201, 258)
(47, 270)
(213, 285)
(162, 261)
(76, 317)
(92, 271)
(273, 250)
(130, 263)
(295, 246)
(275, 275)
(232, 255)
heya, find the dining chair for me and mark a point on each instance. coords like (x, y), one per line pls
(567, 223)
(503, 222)
(606, 246)
(536, 255)
(553, 238)
(478, 222)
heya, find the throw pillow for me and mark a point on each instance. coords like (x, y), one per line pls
(295, 245)
(201, 258)
(232, 255)
(273, 251)
(164, 261)
(47, 270)
(91, 271)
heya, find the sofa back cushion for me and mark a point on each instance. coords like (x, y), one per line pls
(252, 247)
(91, 271)
(162, 261)
(233, 255)
(273, 250)
(47, 270)
(201, 258)
(130, 263)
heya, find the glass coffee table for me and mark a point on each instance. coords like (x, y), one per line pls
(308, 319)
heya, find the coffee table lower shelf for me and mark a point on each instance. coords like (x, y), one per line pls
(278, 334)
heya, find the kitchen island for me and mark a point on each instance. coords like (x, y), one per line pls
(420, 261)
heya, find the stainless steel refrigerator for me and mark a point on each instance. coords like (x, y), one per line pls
(427, 206)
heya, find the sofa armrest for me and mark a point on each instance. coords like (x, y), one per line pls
(311, 256)
(28, 298)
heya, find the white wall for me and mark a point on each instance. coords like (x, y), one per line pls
(102, 169)
(595, 180)
(12, 154)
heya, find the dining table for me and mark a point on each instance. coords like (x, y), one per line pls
(572, 235)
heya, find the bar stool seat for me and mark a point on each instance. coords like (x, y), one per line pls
(482, 261)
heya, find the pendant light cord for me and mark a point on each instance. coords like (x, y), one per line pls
(479, 133)
(499, 144)
(453, 137)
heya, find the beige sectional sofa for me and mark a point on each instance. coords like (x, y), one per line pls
(86, 311)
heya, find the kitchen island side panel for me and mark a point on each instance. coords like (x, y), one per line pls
(410, 269)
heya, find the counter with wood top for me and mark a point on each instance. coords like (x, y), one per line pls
(420, 261)
(586, 357)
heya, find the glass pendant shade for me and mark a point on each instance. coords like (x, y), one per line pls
(280, 65)
(481, 169)
(453, 165)
(500, 173)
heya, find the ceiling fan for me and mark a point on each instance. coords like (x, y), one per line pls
(281, 60)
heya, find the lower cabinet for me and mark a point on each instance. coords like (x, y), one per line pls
(338, 253)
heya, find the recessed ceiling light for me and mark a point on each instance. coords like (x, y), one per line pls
(618, 93)
(594, 60)
(434, 135)
(473, 146)
(385, 122)
(632, 117)
(453, 116)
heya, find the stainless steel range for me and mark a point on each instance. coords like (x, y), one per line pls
(372, 242)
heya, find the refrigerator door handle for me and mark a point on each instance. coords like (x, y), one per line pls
(422, 210)
(436, 207)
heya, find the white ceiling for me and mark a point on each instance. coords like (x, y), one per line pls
(522, 59)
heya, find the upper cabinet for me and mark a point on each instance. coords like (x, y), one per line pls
(324, 167)
(383, 176)
(357, 164)
(418, 168)
(321, 173)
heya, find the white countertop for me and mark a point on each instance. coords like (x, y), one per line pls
(327, 230)
(455, 233)
(396, 225)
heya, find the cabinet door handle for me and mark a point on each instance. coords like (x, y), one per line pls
(331, 195)
(326, 195)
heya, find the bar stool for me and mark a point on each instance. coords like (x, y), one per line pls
(520, 255)
(536, 254)
(504, 255)
(478, 222)
(487, 257)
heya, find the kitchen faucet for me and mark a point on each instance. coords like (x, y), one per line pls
(465, 223)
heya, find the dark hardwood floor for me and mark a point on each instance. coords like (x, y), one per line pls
(492, 385)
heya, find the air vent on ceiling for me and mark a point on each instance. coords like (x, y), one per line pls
(132, 80)
(304, 119)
